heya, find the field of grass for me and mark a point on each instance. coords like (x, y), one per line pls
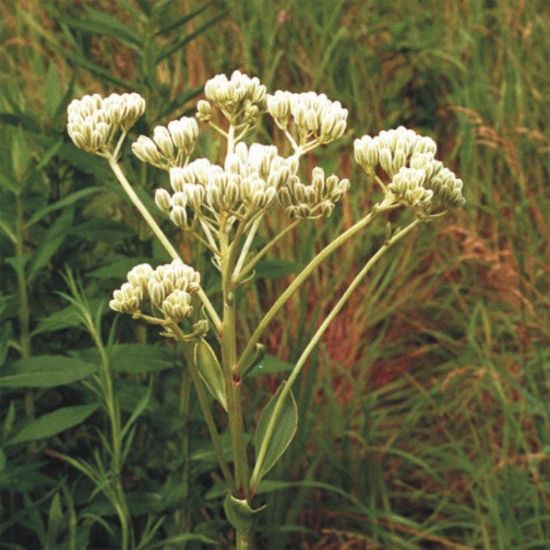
(424, 413)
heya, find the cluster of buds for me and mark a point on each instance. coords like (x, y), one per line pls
(94, 120)
(314, 200)
(169, 289)
(391, 149)
(171, 145)
(248, 183)
(317, 119)
(240, 98)
(417, 178)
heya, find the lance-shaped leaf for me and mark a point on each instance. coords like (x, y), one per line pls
(210, 371)
(276, 428)
(53, 423)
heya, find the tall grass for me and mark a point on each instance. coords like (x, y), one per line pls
(425, 418)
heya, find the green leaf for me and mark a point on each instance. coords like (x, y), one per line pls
(98, 22)
(118, 269)
(65, 201)
(239, 513)
(55, 521)
(51, 241)
(210, 371)
(270, 364)
(174, 24)
(46, 371)
(20, 155)
(169, 50)
(139, 358)
(52, 91)
(96, 70)
(53, 423)
(276, 427)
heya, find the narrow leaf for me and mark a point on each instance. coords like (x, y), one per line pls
(65, 201)
(210, 371)
(276, 428)
(46, 371)
(52, 91)
(182, 20)
(168, 51)
(53, 423)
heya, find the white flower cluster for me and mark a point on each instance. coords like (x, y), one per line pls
(240, 98)
(95, 120)
(417, 179)
(169, 288)
(316, 118)
(248, 183)
(171, 145)
(314, 200)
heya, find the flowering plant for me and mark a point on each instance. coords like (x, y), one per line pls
(223, 206)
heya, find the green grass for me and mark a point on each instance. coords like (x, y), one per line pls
(424, 415)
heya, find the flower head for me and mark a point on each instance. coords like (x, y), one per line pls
(93, 121)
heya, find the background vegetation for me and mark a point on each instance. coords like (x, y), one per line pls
(425, 417)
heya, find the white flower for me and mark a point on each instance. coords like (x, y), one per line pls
(93, 121)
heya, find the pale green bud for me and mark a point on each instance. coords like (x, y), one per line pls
(163, 200)
(161, 136)
(204, 111)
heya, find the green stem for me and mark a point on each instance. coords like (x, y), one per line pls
(113, 412)
(159, 234)
(305, 273)
(204, 405)
(22, 290)
(244, 541)
(287, 385)
(230, 368)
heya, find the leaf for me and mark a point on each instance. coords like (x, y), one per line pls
(182, 20)
(139, 358)
(20, 155)
(93, 68)
(53, 423)
(276, 427)
(52, 91)
(140, 407)
(46, 371)
(118, 269)
(51, 241)
(210, 371)
(270, 365)
(239, 513)
(97, 22)
(65, 201)
(169, 50)
(66, 317)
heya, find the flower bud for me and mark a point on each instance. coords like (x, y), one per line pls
(163, 200)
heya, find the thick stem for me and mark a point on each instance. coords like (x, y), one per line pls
(287, 386)
(244, 541)
(159, 234)
(304, 274)
(230, 367)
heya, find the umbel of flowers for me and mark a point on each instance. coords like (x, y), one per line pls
(222, 202)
